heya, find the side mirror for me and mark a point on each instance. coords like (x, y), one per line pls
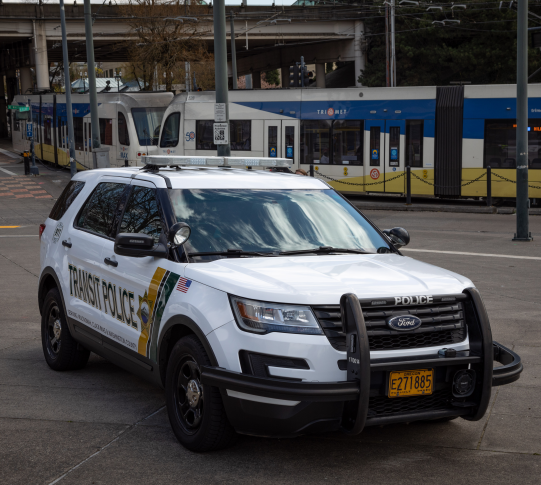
(398, 236)
(138, 245)
(179, 233)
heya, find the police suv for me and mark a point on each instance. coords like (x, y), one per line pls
(264, 303)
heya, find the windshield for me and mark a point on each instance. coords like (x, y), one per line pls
(147, 124)
(272, 221)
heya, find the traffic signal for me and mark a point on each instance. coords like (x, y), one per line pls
(306, 75)
(294, 80)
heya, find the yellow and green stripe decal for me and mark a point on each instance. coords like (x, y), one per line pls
(155, 300)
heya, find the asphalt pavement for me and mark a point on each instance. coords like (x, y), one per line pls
(101, 425)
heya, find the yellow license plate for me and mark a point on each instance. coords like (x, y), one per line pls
(411, 382)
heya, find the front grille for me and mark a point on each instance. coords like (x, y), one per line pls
(442, 324)
(386, 406)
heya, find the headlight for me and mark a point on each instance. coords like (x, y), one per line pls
(261, 317)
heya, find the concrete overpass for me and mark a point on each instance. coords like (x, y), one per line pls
(266, 38)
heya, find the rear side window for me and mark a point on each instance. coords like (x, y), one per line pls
(98, 213)
(142, 214)
(66, 199)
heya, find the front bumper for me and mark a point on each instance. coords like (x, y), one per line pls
(277, 407)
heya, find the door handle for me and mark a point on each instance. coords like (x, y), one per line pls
(67, 244)
(111, 262)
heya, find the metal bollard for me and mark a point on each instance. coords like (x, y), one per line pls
(408, 185)
(26, 163)
(311, 170)
(489, 187)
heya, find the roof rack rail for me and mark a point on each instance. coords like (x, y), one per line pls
(154, 162)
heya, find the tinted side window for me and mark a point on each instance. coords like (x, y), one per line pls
(66, 199)
(142, 213)
(99, 210)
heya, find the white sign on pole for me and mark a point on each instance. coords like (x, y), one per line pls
(221, 133)
(219, 112)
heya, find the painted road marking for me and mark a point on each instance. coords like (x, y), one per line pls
(7, 171)
(8, 227)
(486, 255)
(9, 154)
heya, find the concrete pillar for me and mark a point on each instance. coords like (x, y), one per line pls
(248, 78)
(26, 80)
(320, 75)
(285, 76)
(256, 80)
(359, 57)
(3, 110)
(42, 60)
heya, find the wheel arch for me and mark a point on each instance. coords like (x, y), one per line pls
(47, 282)
(175, 328)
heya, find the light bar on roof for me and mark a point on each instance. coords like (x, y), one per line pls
(257, 162)
(176, 160)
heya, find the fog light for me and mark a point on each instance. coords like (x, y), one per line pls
(463, 383)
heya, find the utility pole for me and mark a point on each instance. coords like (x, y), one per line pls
(393, 51)
(67, 83)
(220, 67)
(91, 77)
(233, 52)
(523, 233)
(187, 76)
(387, 73)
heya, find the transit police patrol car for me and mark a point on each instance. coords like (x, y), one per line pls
(264, 303)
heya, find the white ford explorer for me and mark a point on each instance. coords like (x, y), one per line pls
(264, 303)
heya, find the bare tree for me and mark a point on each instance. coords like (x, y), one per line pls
(169, 33)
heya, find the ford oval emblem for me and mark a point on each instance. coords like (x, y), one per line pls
(404, 323)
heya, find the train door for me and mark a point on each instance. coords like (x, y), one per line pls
(395, 155)
(374, 169)
(281, 139)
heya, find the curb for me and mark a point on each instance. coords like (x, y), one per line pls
(439, 208)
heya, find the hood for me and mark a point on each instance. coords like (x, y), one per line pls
(322, 280)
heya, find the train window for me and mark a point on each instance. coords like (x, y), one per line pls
(375, 152)
(273, 141)
(347, 142)
(148, 122)
(37, 130)
(501, 143)
(123, 136)
(170, 132)
(290, 141)
(78, 133)
(315, 141)
(240, 135)
(394, 146)
(106, 131)
(414, 143)
(47, 130)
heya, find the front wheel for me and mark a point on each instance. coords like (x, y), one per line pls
(196, 411)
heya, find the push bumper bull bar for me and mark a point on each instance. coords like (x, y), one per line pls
(355, 391)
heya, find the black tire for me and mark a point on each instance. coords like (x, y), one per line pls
(60, 349)
(196, 412)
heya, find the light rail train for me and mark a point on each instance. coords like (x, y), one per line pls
(367, 136)
(129, 126)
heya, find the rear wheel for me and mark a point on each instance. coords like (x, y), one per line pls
(61, 351)
(196, 411)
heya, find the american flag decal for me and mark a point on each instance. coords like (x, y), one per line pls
(183, 285)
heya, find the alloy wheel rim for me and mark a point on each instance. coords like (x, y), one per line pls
(54, 331)
(189, 395)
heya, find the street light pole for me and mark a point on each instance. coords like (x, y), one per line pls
(67, 82)
(233, 52)
(91, 77)
(393, 51)
(523, 233)
(220, 67)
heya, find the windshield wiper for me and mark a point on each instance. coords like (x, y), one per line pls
(324, 250)
(230, 253)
